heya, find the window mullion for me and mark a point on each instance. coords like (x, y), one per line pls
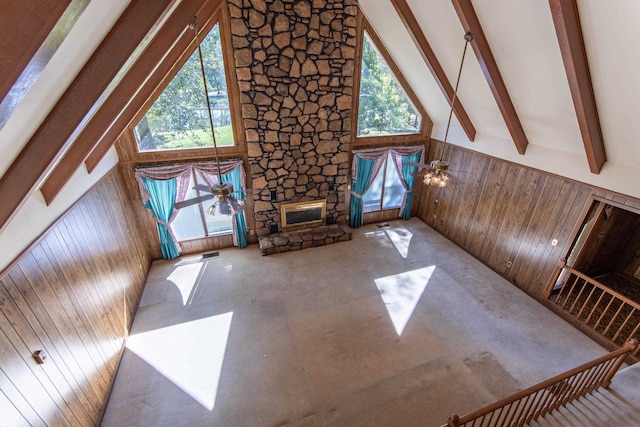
(200, 206)
(384, 180)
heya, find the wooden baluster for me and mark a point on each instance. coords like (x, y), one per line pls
(582, 384)
(513, 410)
(540, 398)
(621, 328)
(631, 346)
(613, 319)
(598, 373)
(596, 305)
(567, 297)
(611, 300)
(522, 414)
(577, 300)
(586, 302)
(564, 389)
(527, 410)
(602, 374)
(499, 415)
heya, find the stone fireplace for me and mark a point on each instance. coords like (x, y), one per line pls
(295, 63)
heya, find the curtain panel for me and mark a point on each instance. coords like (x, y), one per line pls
(155, 184)
(159, 182)
(233, 173)
(402, 157)
(365, 167)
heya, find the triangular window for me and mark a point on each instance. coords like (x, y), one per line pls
(178, 119)
(384, 107)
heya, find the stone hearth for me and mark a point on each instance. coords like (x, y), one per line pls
(306, 238)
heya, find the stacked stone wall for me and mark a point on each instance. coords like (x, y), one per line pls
(295, 64)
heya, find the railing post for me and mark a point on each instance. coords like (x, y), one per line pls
(630, 345)
(554, 277)
(453, 421)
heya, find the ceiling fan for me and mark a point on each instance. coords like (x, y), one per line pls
(225, 202)
(436, 173)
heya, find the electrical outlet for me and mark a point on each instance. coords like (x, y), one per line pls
(252, 232)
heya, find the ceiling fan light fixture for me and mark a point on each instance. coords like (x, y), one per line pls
(437, 176)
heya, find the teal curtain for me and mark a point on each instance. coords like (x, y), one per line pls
(162, 198)
(239, 224)
(358, 187)
(408, 175)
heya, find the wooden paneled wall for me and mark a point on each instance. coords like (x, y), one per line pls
(73, 295)
(506, 215)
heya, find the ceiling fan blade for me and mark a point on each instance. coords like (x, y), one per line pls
(419, 165)
(194, 201)
(202, 187)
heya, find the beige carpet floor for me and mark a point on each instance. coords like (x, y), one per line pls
(398, 327)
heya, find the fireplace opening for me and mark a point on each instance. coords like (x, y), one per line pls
(299, 215)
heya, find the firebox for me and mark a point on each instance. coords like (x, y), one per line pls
(299, 215)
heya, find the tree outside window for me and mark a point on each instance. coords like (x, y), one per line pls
(383, 108)
(178, 118)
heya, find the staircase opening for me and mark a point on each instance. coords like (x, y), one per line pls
(597, 285)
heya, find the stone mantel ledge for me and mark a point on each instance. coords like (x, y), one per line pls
(305, 238)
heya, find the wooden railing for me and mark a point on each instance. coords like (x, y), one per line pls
(594, 306)
(541, 399)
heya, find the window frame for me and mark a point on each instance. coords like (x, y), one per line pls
(239, 146)
(383, 171)
(426, 124)
(203, 216)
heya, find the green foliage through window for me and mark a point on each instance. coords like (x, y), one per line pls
(383, 108)
(178, 119)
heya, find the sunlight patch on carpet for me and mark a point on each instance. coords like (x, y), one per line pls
(190, 355)
(185, 277)
(401, 293)
(401, 238)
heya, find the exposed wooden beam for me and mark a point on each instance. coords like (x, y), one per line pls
(162, 75)
(412, 26)
(480, 45)
(24, 25)
(53, 136)
(173, 37)
(569, 31)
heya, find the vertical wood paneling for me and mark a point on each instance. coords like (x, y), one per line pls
(504, 214)
(72, 294)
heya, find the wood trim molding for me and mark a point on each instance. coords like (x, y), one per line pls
(115, 105)
(52, 138)
(569, 32)
(420, 40)
(481, 47)
(24, 26)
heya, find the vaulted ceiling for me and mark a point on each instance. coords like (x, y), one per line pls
(544, 84)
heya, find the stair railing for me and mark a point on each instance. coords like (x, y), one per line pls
(534, 402)
(609, 314)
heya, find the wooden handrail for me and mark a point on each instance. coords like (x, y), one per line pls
(603, 287)
(536, 401)
(610, 316)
